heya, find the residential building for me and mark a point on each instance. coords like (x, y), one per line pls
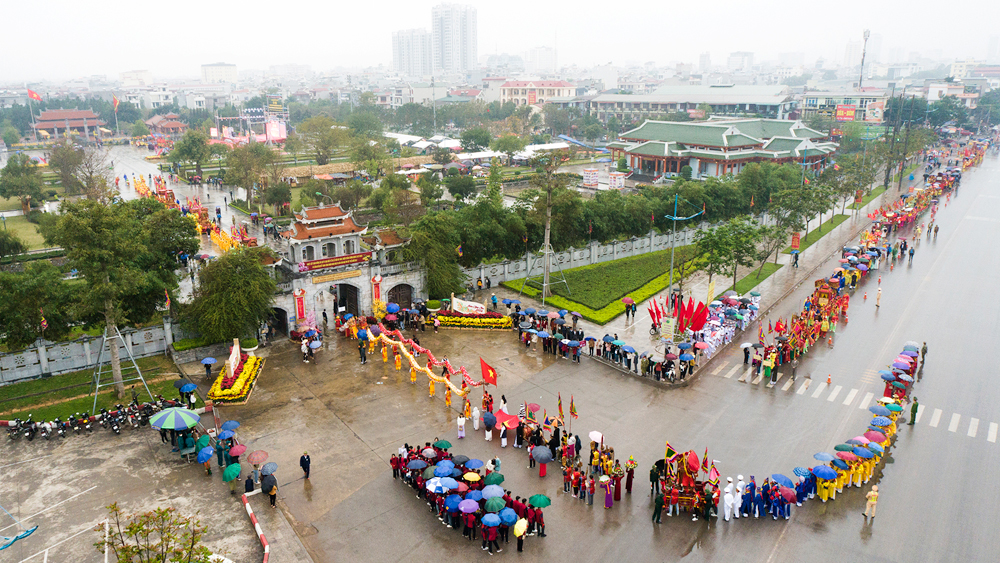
(716, 148)
(740, 61)
(219, 73)
(825, 103)
(133, 78)
(969, 95)
(455, 38)
(725, 99)
(533, 92)
(411, 52)
(961, 69)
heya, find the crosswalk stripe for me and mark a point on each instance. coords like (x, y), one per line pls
(802, 388)
(836, 391)
(787, 384)
(850, 396)
(920, 413)
(992, 436)
(746, 376)
(777, 379)
(866, 400)
(953, 425)
(819, 391)
(757, 379)
(718, 369)
(732, 371)
(973, 427)
(936, 418)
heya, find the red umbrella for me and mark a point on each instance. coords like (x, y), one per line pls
(627, 300)
(875, 436)
(847, 456)
(390, 317)
(237, 450)
(534, 407)
(257, 457)
(701, 345)
(788, 494)
(670, 357)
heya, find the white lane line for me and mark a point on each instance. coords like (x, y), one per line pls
(28, 518)
(718, 369)
(25, 461)
(757, 379)
(46, 550)
(920, 413)
(746, 376)
(850, 396)
(935, 418)
(787, 384)
(992, 436)
(836, 391)
(731, 372)
(802, 388)
(819, 391)
(973, 427)
(866, 400)
(953, 425)
(780, 375)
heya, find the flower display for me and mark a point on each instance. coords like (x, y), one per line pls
(236, 388)
(487, 320)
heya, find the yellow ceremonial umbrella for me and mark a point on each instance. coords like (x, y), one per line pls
(520, 527)
(471, 476)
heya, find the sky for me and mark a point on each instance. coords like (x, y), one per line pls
(172, 39)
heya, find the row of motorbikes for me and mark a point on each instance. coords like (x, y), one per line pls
(134, 415)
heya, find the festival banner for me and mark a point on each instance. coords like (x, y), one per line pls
(845, 112)
(874, 112)
(711, 290)
(300, 305)
(334, 261)
(467, 307)
(796, 240)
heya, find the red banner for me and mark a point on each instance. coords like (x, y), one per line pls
(531, 97)
(300, 306)
(857, 196)
(845, 112)
(796, 240)
(335, 261)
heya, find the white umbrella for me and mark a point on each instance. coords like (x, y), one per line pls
(596, 436)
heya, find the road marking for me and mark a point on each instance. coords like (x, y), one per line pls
(757, 379)
(28, 518)
(745, 376)
(992, 436)
(953, 425)
(836, 391)
(866, 400)
(819, 391)
(920, 412)
(787, 384)
(850, 396)
(732, 371)
(802, 388)
(25, 461)
(718, 369)
(973, 427)
(935, 418)
(778, 378)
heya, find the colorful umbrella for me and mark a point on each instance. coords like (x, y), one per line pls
(627, 300)
(801, 471)
(495, 504)
(232, 472)
(847, 456)
(491, 491)
(539, 501)
(443, 444)
(174, 418)
(874, 436)
(494, 479)
(843, 447)
(472, 476)
(237, 450)
(205, 454)
(901, 365)
(202, 442)
(881, 421)
(520, 527)
(468, 506)
(876, 448)
(392, 308)
(787, 493)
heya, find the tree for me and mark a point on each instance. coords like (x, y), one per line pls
(139, 128)
(476, 139)
(948, 109)
(351, 194)
(233, 297)
(11, 244)
(443, 156)
(294, 145)
(247, 166)
(94, 175)
(157, 536)
(193, 147)
(509, 145)
(278, 194)
(434, 240)
(686, 172)
(28, 296)
(370, 157)
(551, 184)
(20, 178)
(126, 252)
(11, 136)
(365, 124)
(729, 246)
(430, 189)
(460, 187)
(66, 159)
(322, 136)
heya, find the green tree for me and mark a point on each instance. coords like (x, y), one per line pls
(28, 296)
(66, 159)
(476, 139)
(948, 109)
(365, 124)
(21, 179)
(509, 145)
(552, 185)
(247, 166)
(443, 156)
(233, 297)
(686, 172)
(430, 189)
(278, 194)
(193, 147)
(11, 136)
(460, 187)
(323, 137)
(351, 194)
(126, 252)
(370, 157)
(139, 128)
(434, 242)
(157, 536)
(728, 246)
(11, 244)
(295, 145)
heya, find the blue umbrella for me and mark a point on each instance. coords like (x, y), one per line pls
(435, 486)
(608, 339)
(854, 442)
(491, 520)
(456, 473)
(315, 344)
(310, 333)
(684, 345)
(531, 330)
(543, 312)
(544, 334)
(879, 410)
(442, 471)
(562, 312)
(863, 453)
(188, 388)
(902, 377)
(392, 308)
(716, 303)
(881, 421)
(840, 464)
(269, 468)
(474, 463)
(529, 311)
(782, 480)
(206, 454)
(876, 447)
(450, 483)
(686, 357)
(754, 307)
(489, 419)
(505, 301)
(451, 502)
(508, 516)
(414, 311)
(348, 317)
(515, 302)
(628, 349)
(474, 495)
(590, 338)
(491, 491)
(230, 425)
(446, 463)
(574, 343)
(824, 472)
(618, 342)
(416, 464)
(884, 372)
(823, 456)
(801, 471)
(363, 334)
(208, 361)
(876, 428)
(226, 434)
(794, 252)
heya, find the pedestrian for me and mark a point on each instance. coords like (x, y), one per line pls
(192, 399)
(304, 463)
(273, 494)
(494, 300)
(208, 371)
(304, 348)
(657, 508)
(461, 426)
(872, 498)
(727, 501)
(911, 255)
(591, 489)
(476, 416)
(746, 355)
(540, 522)
(878, 297)
(219, 452)
(248, 485)
(437, 323)
(520, 540)
(913, 411)
(675, 496)
(923, 354)
(361, 351)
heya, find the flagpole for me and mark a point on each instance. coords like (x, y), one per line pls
(34, 130)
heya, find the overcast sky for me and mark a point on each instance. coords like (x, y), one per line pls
(59, 39)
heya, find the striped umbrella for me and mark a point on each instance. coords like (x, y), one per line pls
(174, 418)
(257, 457)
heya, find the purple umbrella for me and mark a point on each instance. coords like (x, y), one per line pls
(468, 506)
(901, 365)
(862, 267)
(909, 353)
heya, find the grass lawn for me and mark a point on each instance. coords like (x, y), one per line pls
(751, 281)
(868, 198)
(28, 232)
(9, 204)
(815, 234)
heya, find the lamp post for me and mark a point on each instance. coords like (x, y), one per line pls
(673, 238)
(321, 194)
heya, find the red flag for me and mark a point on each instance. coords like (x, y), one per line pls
(652, 315)
(115, 101)
(704, 462)
(34, 96)
(489, 374)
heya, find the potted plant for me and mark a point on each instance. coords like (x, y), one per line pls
(249, 345)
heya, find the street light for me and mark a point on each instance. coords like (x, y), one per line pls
(321, 194)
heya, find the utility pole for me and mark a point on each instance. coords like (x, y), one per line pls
(434, 108)
(906, 144)
(673, 239)
(864, 49)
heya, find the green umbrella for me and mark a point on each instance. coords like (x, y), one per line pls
(443, 444)
(495, 504)
(493, 479)
(232, 472)
(894, 407)
(429, 472)
(755, 293)
(174, 418)
(539, 501)
(203, 441)
(843, 448)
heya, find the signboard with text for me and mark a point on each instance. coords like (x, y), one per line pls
(531, 97)
(845, 112)
(874, 112)
(335, 261)
(796, 241)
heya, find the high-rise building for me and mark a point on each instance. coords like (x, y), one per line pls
(455, 38)
(705, 62)
(219, 73)
(541, 60)
(852, 54)
(993, 51)
(740, 61)
(411, 52)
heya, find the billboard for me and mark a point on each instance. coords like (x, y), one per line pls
(874, 112)
(590, 177)
(696, 113)
(334, 261)
(616, 180)
(531, 98)
(845, 112)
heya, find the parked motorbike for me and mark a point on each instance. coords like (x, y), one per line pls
(104, 417)
(29, 429)
(44, 429)
(74, 423)
(60, 428)
(85, 422)
(14, 432)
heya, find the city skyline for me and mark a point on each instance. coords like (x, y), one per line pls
(580, 37)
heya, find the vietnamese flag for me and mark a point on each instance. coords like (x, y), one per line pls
(489, 374)
(34, 96)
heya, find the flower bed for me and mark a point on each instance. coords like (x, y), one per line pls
(236, 389)
(489, 320)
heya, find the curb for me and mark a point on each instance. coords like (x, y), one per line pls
(256, 527)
